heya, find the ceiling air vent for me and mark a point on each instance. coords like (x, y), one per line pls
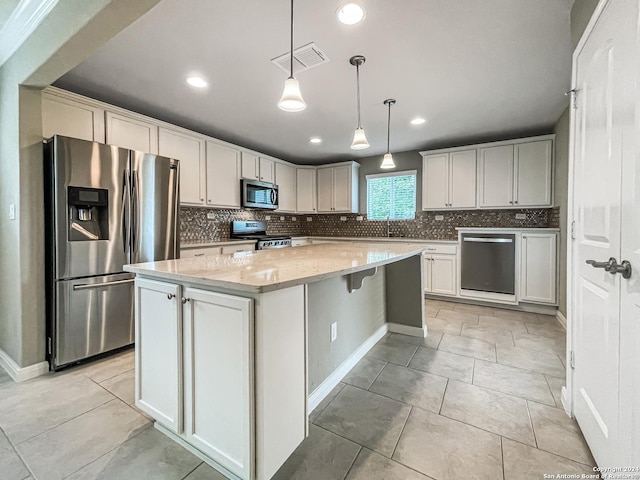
(304, 58)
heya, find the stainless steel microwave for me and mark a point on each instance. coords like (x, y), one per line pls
(257, 194)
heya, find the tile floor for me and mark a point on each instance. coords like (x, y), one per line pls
(479, 398)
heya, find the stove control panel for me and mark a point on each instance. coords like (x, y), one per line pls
(265, 244)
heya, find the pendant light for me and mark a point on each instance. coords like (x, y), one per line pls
(359, 138)
(291, 100)
(387, 161)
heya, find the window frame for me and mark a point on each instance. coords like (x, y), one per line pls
(403, 173)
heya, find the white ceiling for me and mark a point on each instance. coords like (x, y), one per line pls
(475, 69)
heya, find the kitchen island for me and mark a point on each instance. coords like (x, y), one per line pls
(234, 351)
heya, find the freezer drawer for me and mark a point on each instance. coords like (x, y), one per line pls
(93, 315)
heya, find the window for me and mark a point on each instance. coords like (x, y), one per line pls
(391, 195)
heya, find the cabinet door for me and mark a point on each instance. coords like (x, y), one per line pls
(250, 166)
(443, 274)
(190, 151)
(128, 132)
(223, 176)
(342, 189)
(158, 388)
(218, 370)
(61, 116)
(538, 268)
(462, 179)
(495, 179)
(286, 180)
(435, 176)
(533, 168)
(245, 247)
(426, 272)
(306, 190)
(325, 190)
(267, 170)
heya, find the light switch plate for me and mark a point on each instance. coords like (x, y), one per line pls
(211, 215)
(521, 216)
(334, 331)
(282, 219)
(439, 218)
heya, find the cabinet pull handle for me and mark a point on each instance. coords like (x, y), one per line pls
(170, 296)
(199, 255)
(185, 300)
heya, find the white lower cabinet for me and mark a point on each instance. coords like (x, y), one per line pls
(200, 252)
(218, 359)
(440, 270)
(245, 247)
(158, 388)
(538, 265)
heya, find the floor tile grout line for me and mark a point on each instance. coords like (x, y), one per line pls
(412, 355)
(551, 453)
(401, 432)
(331, 401)
(196, 467)
(443, 395)
(348, 439)
(376, 377)
(353, 462)
(31, 472)
(551, 390)
(535, 437)
(502, 454)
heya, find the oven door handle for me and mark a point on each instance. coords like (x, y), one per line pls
(487, 240)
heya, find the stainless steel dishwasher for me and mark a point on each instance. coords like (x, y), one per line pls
(488, 262)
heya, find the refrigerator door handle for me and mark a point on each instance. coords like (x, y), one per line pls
(125, 214)
(134, 213)
(89, 286)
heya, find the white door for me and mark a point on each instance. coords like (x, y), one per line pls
(133, 133)
(286, 181)
(190, 151)
(325, 190)
(443, 274)
(306, 190)
(223, 176)
(435, 181)
(158, 361)
(533, 174)
(462, 179)
(495, 179)
(604, 306)
(342, 189)
(218, 377)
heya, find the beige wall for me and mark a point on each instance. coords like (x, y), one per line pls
(72, 31)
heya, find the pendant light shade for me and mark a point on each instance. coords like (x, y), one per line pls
(291, 100)
(359, 137)
(387, 160)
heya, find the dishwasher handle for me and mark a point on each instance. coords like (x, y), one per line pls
(487, 240)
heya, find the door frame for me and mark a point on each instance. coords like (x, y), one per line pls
(567, 395)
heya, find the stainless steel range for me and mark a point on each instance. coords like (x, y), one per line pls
(257, 230)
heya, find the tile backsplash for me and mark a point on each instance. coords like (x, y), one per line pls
(195, 227)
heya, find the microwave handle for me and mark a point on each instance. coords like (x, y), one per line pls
(274, 196)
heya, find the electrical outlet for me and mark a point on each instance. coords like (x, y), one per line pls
(12, 211)
(521, 216)
(211, 215)
(282, 219)
(439, 218)
(359, 218)
(294, 219)
(309, 219)
(334, 331)
(343, 219)
(267, 217)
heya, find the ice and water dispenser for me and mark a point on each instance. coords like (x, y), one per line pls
(88, 213)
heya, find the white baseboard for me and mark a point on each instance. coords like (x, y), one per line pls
(562, 319)
(338, 374)
(407, 330)
(18, 373)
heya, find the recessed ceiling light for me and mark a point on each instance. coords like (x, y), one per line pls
(418, 121)
(315, 140)
(351, 14)
(197, 82)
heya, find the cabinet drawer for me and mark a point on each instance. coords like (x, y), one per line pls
(441, 249)
(245, 247)
(200, 252)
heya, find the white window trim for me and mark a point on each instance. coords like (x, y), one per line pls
(405, 173)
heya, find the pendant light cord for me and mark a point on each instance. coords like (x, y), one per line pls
(389, 128)
(358, 90)
(291, 39)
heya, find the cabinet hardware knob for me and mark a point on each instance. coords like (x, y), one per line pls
(185, 300)
(516, 201)
(511, 202)
(170, 296)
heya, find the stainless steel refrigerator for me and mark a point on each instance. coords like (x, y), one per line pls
(105, 207)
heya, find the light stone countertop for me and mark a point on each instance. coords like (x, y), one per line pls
(267, 270)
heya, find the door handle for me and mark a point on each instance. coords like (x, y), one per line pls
(613, 267)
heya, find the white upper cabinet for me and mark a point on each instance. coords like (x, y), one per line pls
(67, 117)
(533, 173)
(190, 150)
(516, 175)
(258, 168)
(338, 188)
(285, 178)
(130, 132)
(306, 197)
(449, 180)
(223, 176)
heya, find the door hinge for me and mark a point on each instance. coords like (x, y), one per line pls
(49, 345)
(574, 97)
(573, 229)
(572, 359)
